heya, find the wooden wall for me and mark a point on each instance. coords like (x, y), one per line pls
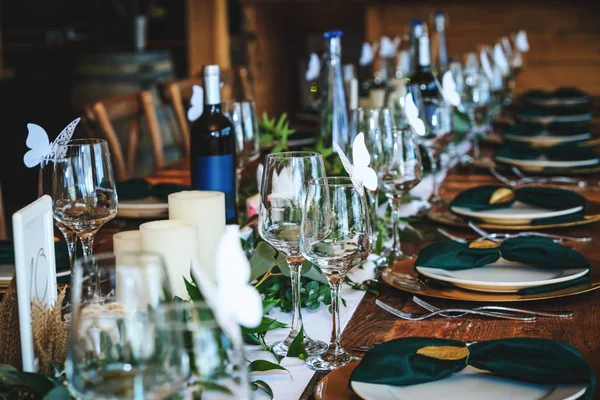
(564, 36)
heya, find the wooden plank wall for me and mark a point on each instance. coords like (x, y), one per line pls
(564, 36)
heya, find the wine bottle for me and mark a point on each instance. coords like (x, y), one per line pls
(416, 30)
(213, 145)
(439, 50)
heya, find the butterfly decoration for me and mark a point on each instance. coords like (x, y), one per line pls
(500, 59)
(449, 91)
(388, 48)
(40, 145)
(486, 66)
(235, 297)
(314, 67)
(360, 173)
(412, 114)
(521, 41)
(506, 46)
(197, 103)
(366, 54)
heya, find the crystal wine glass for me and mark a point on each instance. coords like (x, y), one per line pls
(283, 192)
(335, 236)
(475, 98)
(45, 184)
(117, 347)
(400, 171)
(217, 358)
(83, 190)
(245, 123)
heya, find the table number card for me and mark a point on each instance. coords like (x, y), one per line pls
(35, 267)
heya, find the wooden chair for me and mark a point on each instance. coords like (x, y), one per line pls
(132, 107)
(235, 83)
(3, 231)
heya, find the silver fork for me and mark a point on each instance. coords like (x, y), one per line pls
(556, 314)
(450, 313)
(498, 237)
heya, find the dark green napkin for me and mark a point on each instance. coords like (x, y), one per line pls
(530, 250)
(135, 189)
(554, 129)
(565, 152)
(478, 199)
(7, 254)
(415, 360)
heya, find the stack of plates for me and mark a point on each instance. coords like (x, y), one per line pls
(149, 207)
(516, 214)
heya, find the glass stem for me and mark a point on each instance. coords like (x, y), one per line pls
(431, 153)
(295, 273)
(71, 239)
(335, 283)
(396, 250)
(87, 244)
(474, 135)
(374, 205)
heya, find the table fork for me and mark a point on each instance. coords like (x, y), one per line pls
(449, 313)
(555, 314)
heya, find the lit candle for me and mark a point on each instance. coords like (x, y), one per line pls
(206, 210)
(177, 242)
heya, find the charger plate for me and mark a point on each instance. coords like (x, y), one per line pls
(402, 276)
(487, 163)
(470, 383)
(441, 213)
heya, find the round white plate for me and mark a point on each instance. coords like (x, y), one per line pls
(503, 276)
(548, 140)
(555, 118)
(517, 214)
(542, 162)
(148, 207)
(469, 384)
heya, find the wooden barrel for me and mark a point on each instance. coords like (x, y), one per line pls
(99, 76)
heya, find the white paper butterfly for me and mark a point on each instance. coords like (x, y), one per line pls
(412, 114)
(500, 59)
(485, 65)
(235, 295)
(506, 46)
(197, 103)
(41, 146)
(314, 67)
(449, 91)
(360, 173)
(388, 47)
(366, 54)
(521, 41)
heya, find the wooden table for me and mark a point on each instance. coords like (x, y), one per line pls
(370, 324)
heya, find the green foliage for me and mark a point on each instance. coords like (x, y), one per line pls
(297, 348)
(333, 163)
(275, 132)
(262, 386)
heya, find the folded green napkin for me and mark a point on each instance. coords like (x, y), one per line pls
(415, 360)
(553, 129)
(7, 254)
(565, 92)
(529, 250)
(135, 189)
(481, 198)
(565, 152)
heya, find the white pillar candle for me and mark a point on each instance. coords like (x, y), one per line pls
(127, 241)
(177, 242)
(207, 210)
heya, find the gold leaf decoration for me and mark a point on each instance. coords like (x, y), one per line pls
(502, 195)
(484, 244)
(444, 352)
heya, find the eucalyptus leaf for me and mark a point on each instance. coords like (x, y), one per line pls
(267, 324)
(265, 257)
(297, 348)
(193, 291)
(264, 365)
(263, 387)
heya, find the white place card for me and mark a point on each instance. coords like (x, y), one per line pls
(35, 267)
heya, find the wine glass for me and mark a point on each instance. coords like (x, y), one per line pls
(335, 236)
(117, 347)
(83, 191)
(45, 182)
(217, 358)
(283, 192)
(245, 123)
(475, 98)
(400, 171)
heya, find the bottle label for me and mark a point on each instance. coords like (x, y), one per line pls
(217, 173)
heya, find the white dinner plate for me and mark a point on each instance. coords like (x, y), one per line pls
(545, 120)
(469, 384)
(543, 162)
(503, 276)
(517, 214)
(149, 207)
(546, 140)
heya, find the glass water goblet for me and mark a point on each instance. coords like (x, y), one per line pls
(245, 123)
(335, 236)
(475, 99)
(217, 363)
(118, 349)
(45, 183)
(83, 189)
(283, 192)
(400, 171)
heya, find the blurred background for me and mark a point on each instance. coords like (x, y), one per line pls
(59, 58)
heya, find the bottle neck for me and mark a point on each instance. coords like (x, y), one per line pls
(424, 56)
(212, 92)
(443, 53)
